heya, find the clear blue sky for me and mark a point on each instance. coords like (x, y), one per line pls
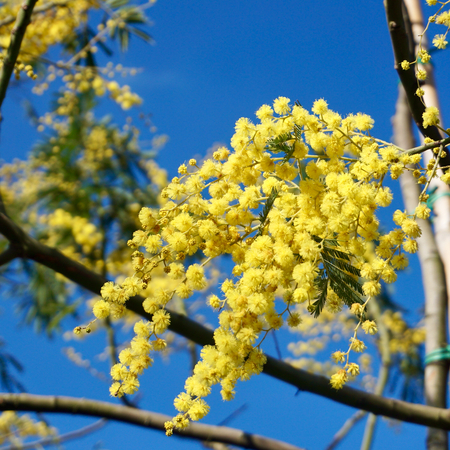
(214, 62)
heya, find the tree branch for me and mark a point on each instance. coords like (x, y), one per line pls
(8, 255)
(402, 52)
(17, 34)
(76, 272)
(147, 419)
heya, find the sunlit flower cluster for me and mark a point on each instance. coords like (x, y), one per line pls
(297, 216)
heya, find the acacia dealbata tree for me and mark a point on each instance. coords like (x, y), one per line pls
(94, 232)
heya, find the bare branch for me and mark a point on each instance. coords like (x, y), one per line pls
(147, 419)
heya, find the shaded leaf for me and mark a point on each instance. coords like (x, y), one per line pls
(319, 303)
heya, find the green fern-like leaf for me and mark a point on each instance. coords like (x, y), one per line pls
(319, 303)
(334, 253)
(339, 264)
(346, 287)
(339, 274)
(279, 143)
(266, 210)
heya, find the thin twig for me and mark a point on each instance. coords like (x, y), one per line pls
(348, 425)
(88, 46)
(423, 148)
(383, 374)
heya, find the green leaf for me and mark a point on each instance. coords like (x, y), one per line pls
(265, 212)
(288, 155)
(133, 15)
(8, 381)
(326, 242)
(341, 265)
(47, 298)
(297, 132)
(278, 143)
(318, 305)
(142, 34)
(114, 4)
(339, 275)
(124, 38)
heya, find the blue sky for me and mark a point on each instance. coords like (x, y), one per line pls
(212, 63)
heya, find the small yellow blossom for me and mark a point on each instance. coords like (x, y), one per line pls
(421, 75)
(439, 41)
(338, 357)
(357, 345)
(424, 56)
(339, 379)
(281, 105)
(430, 116)
(369, 327)
(405, 65)
(353, 369)
(101, 309)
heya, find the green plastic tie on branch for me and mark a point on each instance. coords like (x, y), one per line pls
(433, 197)
(440, 354)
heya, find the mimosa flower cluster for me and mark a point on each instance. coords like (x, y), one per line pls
(47, 28)
(14, 429)
(297, 216)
